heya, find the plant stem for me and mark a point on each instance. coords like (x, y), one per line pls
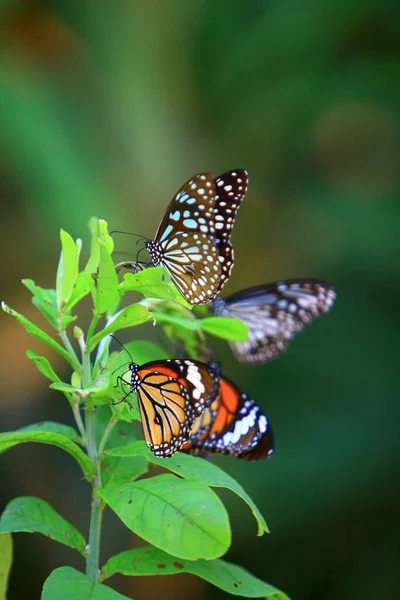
(96, 511)
(78, 420)
(67, 344)
(106, 433)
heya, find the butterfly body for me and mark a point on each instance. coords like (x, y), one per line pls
(171, 395)
(233, 424)
(274, 313)
(193, 239)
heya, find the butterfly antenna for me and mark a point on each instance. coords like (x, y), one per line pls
(122, 346)
(138, 235)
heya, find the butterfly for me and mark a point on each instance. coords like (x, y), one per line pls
(273, 314)
(233, 424)
(193, 239)
(171, 395)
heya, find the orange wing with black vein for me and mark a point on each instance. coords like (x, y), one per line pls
(171, 395)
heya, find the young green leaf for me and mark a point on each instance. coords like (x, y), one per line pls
(196, 468)
(43, 365)
(225, 328)
(66, 582)
(116, 470)
(81, 289)
(132, 315)
(184, 518)
(45, 301)
(154, 282)
(8, 440)
(6, 555)
(226, 576)
(98, 232)
(106, 295)
(33, 515)
(68, 268)
(41, 335)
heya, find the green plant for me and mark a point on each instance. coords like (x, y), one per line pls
(178, 513)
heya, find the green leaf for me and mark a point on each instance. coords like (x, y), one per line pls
(99, 232)
(132, 315)
(33, 515)
(116, 470)
(225, 328)
(184, 518)
(68, 268)
(67, 583)
(226, 576)
(154, 282)
(67, 388)
(52, 427)
(8, 440)
(45, 301)
(41, 335)
(193, 467)
(43, 365)
(99, 389)
(81, 289)
(6, 555)
(106, 295)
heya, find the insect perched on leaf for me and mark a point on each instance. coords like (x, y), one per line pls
(273, 314)
(171, 394)
(193, 239)
(234, 424)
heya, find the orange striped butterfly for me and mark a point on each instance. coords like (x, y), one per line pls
(233, 424)
(193, 239)
(171, 395)
(274, 313)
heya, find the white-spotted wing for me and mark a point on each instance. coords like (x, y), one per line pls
(231, 188)
(274, 313)
(192, 241)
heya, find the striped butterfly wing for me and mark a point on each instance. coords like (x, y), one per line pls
(184, 243)
(274, 314)
(234, 424)
(231, 188)
(171, 395)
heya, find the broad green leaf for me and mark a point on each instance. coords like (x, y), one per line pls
(224, 575)
(8, 440)
(193, 467)
(132, 315)
(106, 295)
(41, 335)
(143, 351)
(52, 427)
(33, 515)
(68, 268)
(65, 583)
(43, 365)
(81, 289)
(116, 470)
(45, 301)
(182, 517)
(154, 282)
(121, 434)
(6, 556)
(225, 328)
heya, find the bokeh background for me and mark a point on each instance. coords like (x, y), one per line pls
(106, 108)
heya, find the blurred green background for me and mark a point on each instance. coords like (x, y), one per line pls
(106, 108)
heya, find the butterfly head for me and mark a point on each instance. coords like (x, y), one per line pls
(135, 379)
(155, 252)
(219, 308)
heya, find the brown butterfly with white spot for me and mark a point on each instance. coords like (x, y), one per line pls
(193, 239)
(274, 313)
